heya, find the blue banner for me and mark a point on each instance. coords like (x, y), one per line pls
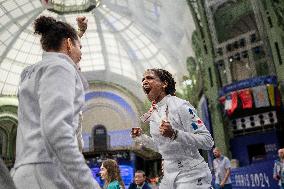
(248, 83)
(255, 176)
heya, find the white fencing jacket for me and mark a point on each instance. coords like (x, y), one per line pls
(51, 97)
(192, 133)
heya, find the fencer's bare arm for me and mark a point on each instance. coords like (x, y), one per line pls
(82, 23)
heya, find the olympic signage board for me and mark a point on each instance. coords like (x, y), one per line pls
(256, 176)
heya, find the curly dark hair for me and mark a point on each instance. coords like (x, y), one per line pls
(113, 172)
(53, 32)
(167, 77)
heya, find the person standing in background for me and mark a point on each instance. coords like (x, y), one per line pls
(222, 170)
(139, 181)
(278, 170)
(110, 173)
(51, 96)
(176, 133)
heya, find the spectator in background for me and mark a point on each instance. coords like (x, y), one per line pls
(222, 170)
(110, 173)
(139, 181)
(51, 95)
(278, 170)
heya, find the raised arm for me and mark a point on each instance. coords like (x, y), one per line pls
(82, 23)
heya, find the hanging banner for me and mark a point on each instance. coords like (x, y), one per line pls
(260, 96)
(270, 89)
(248, 83)
(246, 98)
(204, 114)
(228, 103)
(232, 103)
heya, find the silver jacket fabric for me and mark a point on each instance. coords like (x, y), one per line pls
(51, 97)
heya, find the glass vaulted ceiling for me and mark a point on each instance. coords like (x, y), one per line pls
(124, 38)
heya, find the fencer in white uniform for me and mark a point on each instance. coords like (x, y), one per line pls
(176, 133)
(51, 97)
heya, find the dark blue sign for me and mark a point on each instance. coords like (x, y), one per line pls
(248, 83)
(204, 114)
(255, 176)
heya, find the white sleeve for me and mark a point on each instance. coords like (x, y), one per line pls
(195, 133)
(56, 100)
(147, 141)
(227, 163)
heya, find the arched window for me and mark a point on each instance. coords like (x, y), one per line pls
(100, 137)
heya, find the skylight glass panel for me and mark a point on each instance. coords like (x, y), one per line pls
(87, 68)
(87, 62)
(126, 44)
(162, 59)
(152, 48)
(4, 19)
(36, 50)
(28, 7)
(22, 2)
(9, 89)
(3, 75)
(12, 54)
(14, 28)
(128, 34)
(16, 68)
(21, 57)
(146, 52)
(2, 49)
(9, 5)
(13, 78)
(16, 13)
(8, 40)
(37, 3)
(128, 70)
(99, 65)
(31, 59)
(4, 36)
(5, 65)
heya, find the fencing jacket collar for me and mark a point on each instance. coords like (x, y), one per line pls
(163, 101)
(62, 55)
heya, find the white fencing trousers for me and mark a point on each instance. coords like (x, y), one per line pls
(178, 175)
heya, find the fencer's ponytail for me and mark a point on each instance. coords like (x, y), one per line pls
(53, 32)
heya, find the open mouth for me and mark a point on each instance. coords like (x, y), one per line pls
(146, 89)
